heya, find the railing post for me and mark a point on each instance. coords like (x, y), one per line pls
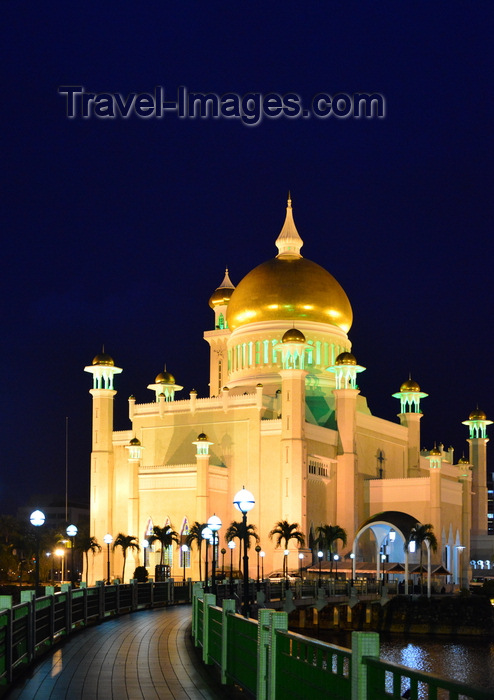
(196, 593)
(134, 594)
(228, 607)
(9, 642)
(151, 595)
(363, 644)
(263, 645)
(209, 599)
(67, 589)
(278, 621)
(29, 597)
(102, 597)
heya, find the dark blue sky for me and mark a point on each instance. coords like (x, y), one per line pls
(117, 231)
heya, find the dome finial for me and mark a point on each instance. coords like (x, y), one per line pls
(289, 241)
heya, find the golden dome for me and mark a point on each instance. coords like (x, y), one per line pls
(346, 358)
(462, 460)
(477, 415)
(135, 441)
(165, 378)
(435, 452)
(289, 287)
(103, 359)
(223, 293)
(409, 385)
(202, 437)
(293, 336)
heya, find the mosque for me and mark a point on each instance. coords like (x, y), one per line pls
(285, 419)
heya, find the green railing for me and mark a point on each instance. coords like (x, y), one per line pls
(272, 663)
(36, 624)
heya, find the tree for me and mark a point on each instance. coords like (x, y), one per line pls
(237, 530)
(195, 535)
(166, 536)
(421, 534)
(284, 531)
(327, 536)
(125, 542)
(86, 543)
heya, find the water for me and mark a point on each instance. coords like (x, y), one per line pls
(469, 660)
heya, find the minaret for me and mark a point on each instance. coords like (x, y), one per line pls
(217, 339)
(463, 555)
(101, 497)
(435, 458)
(164, 387)
(293, 444)
(134, 449)
(410, 415)
(346, 392)
(202, 490)
(477, 422)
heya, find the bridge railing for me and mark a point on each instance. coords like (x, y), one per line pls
(28, 629)
(263, 657)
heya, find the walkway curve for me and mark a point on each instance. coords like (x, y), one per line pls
(145, 655)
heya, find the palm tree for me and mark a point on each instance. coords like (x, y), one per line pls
(327, 536)
(195, 535)
(237, 530)
(420, 534)
(86, 543)
(284, 531)
(125, 542)
(166, 536)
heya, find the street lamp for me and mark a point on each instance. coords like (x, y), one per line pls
(206, 533)
(145, 545)
(37, 519)
(72, 532)
(320, 555)
(262, 555)
(285, 566)
(223, 552)
(258, 550)
(244, 502)
(300, 559)
(60, 553)
(214, 524)
(108, 539)
(231, 546)
(336, 558)
(184, 549)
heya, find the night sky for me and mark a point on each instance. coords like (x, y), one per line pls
(117, 231)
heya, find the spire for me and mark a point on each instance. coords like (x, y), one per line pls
(227, 283)
(289, 241)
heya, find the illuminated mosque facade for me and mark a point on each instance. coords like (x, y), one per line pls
(286, 420)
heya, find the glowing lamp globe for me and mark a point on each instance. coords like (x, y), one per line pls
(37, 518)
(244, 501)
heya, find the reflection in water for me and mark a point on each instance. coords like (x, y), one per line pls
(467, 660)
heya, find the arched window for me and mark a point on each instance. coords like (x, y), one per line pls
(221, 321)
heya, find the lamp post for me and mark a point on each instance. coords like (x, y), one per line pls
(206, 533)
(37, 519)
(145, 545)
(60, 553)
(300, 560)
(320, 555)
(231, 546)
(336, 559)
(258, 550)
(223, 552)
(108, 539)
(244, 502)
(72, 532)
(285, 566)
(184, 549)
(262, 555)
(214, 524)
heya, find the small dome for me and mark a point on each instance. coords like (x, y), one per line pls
(165, 378)
(409, 385)
(103, 359)
(223, 293)
(463, 460)
(346, 358)
(435, 452)
(202, 437)
(293, 336)
(135, 442)
(477, 415)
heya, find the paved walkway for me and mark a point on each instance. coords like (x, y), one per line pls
(146, 655)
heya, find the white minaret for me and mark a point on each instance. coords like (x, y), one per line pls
(410, 415)
(477, 423)
(217, 339)
(101, 497)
